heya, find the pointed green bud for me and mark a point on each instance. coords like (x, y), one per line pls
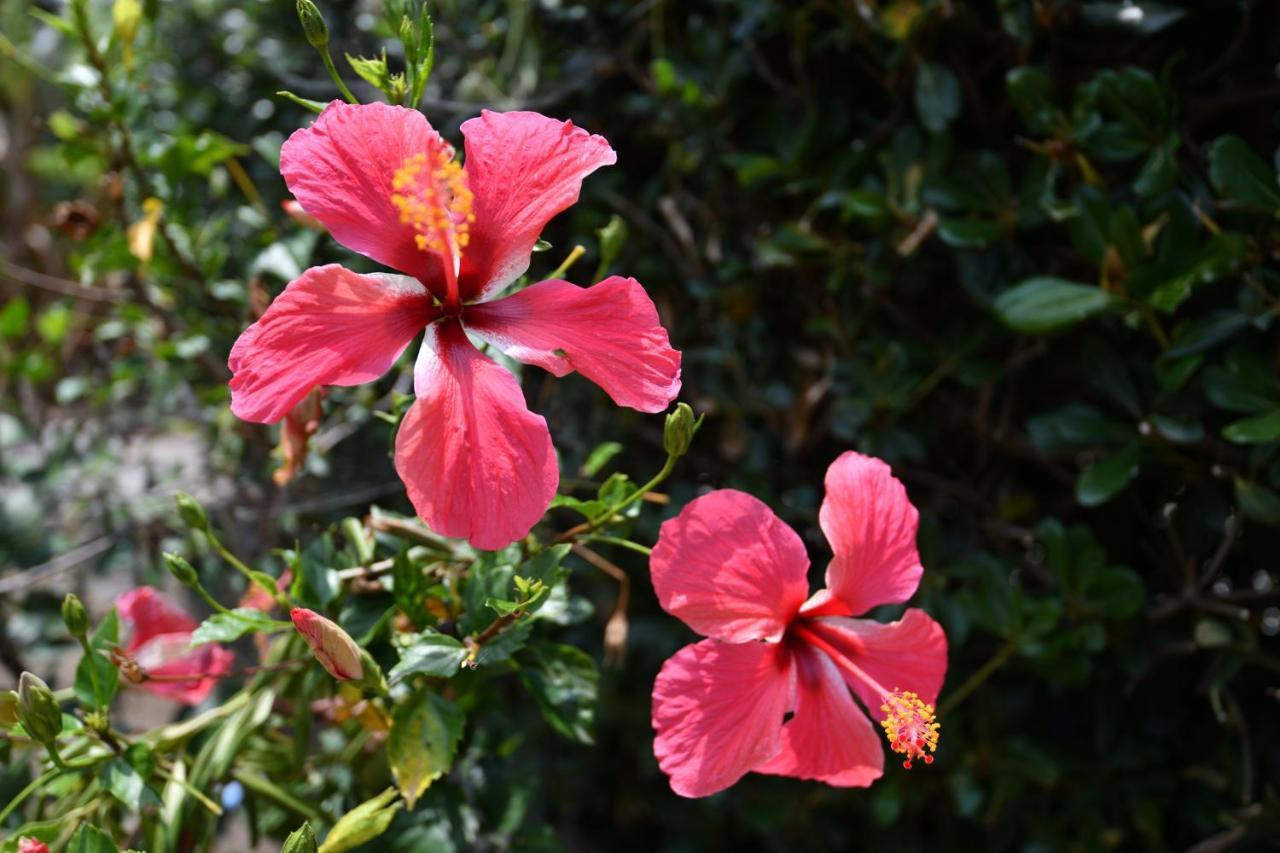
(183, 572)
(38, 709)
(8, 709)
(191, 513)
(313, 25)
(75, 616)
(301, 840)
(680, 428)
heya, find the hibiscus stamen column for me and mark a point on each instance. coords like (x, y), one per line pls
(910, 724)
(432, 195)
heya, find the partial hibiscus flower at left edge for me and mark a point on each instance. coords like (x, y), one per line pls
(772, 688)
(158, 656)
(476, 463)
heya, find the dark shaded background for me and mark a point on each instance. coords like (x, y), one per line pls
(826, 200)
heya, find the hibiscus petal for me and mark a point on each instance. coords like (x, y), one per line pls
(610, 333)
(871, 526)
(146, 613)
(523, 168)
(178, 672)
(829, 738)
(910, 654)
(729, 568)
(329, 327)
(717, 711)
(476, 462)
(340, 170)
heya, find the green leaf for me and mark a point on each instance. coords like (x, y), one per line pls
(600, 457)
(564, 680)
(228, 627)
(587, 509)
(1106, 477)
(1074, 427)
(108, 677)
(90, 839)
(362, 824)
(1244, 384)
(969, 233)
(305, 103)
(1205, 332)
(1031, 92)
(1116, 593)
(1045, 304)
(1258, 429)
(1219, 257)
(937, 96)
(425, 729)
(15, 317)
(1258, 502)
(408, 585)
(1241, 175)
(429, 653)
(127, 785)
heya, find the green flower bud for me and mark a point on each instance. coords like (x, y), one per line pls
(38, 709)
(681, 425)
(8, 709)
(301, 840)
(192, 514)
(75, 616)
(184, 572)
(313, 25)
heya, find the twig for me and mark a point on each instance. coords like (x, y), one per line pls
(25, 578)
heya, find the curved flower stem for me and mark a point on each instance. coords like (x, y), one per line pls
(621, 543)
(249, 574)
(975, 681)
(337, 78)
(606, 516)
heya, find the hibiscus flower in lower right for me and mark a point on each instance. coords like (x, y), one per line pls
(772, 688)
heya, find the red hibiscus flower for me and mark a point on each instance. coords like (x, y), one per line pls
(476, 462)
(160, 644)
(733, 571)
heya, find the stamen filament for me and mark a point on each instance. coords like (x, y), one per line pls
(910, 724)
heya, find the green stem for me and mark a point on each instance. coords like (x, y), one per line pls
(248, 573)
(92, 663)
(196, 793)
(264, 787)
(337, 78)
(975, 681)
(209, 599)
(639, 493)
(621, 543)
(36, 784)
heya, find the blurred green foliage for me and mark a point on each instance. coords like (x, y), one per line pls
(1025, 250)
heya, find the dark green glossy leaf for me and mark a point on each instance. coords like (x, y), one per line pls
(1045, 304)
(1106, 477)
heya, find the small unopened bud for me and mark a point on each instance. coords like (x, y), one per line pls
(27, 844)
(182, 571)
(331, 645)
(191, 513)
(8, 709)
(38, 709)
(75, 617)
(301, 840)
(313, 25)
(681, 425)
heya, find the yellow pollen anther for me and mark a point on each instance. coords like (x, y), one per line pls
(910, 725)
(431, 193)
